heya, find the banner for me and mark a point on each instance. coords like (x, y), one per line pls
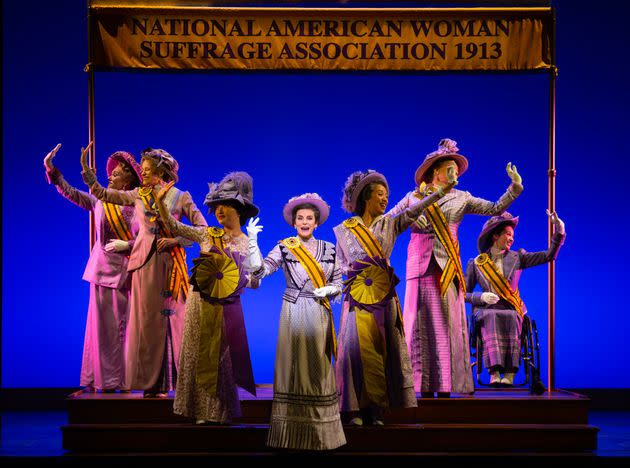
(320, 39)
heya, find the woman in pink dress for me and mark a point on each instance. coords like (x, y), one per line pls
(159, 285)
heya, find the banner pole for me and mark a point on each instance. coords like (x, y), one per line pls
(91, 125)
(551, 272)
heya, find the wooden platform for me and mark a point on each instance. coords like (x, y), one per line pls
(489, 421)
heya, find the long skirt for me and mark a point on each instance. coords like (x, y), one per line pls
(305, 408)
(437, 335)
(155, 327)
(103, 365)
(379, 375)
(191, 399)
(501, 337)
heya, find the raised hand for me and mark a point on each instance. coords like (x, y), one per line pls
(515, 177)
(48, 164)
(84, 155)
(557, 222)
(161, 193)
(253, 228)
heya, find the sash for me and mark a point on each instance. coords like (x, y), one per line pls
(179, 275)
(116, 221)
(372, 248)
(499, 283)
(365, 237)
(317, 277)
(453, 266)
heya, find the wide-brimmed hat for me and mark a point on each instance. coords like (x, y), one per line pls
(447, 149)
(126, 158)
(164, 161)
(235, 186)
(310, 198)
(357, 182)
(484, 241)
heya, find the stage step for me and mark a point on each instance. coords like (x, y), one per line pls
(395, 438)
(484, 407)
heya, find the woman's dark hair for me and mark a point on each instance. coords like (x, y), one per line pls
(364, 196)
(305, 206)
(240, 209)
(131, 174)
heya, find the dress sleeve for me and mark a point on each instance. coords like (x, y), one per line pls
(406, 217)
(480, 206)
(117, 197)
(70, 193)
(530, 259)
(473, 297)
(271, 263)
(192, 213)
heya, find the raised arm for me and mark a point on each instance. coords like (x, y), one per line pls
(530, 259)
(406, 217)
(70, 193)
(194, 233)
(480, 206)
(271, 263)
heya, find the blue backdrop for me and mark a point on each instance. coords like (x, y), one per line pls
(299, 132)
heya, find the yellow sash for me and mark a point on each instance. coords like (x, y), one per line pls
(365, 237)
(372, 247)
(316, 275)
(453, 266)
(499, 283)
(116, 221)
(179, 275)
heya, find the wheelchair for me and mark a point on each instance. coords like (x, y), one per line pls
(529, 361)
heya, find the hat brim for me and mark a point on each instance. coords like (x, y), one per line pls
(369, 179)
(249, 210)
(126, 158)
(484, 241)
(422, 171)
(321, 205)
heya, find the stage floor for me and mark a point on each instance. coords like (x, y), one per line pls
(38, 433)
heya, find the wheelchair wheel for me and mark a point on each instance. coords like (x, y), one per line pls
(536, 384)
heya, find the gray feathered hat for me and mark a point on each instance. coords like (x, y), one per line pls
(236, 187)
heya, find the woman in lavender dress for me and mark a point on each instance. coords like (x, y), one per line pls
(305, 409)
(373, 369)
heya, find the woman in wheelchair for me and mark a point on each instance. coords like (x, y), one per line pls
(498, 308)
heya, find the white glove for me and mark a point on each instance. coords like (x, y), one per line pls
(254, 257)
(557, 222)
(513, 174)
(489, 298)
(117, 245)
(253, 229)
(326, 291)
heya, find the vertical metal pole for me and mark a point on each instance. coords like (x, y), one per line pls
(91, 125)
(551, 275)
